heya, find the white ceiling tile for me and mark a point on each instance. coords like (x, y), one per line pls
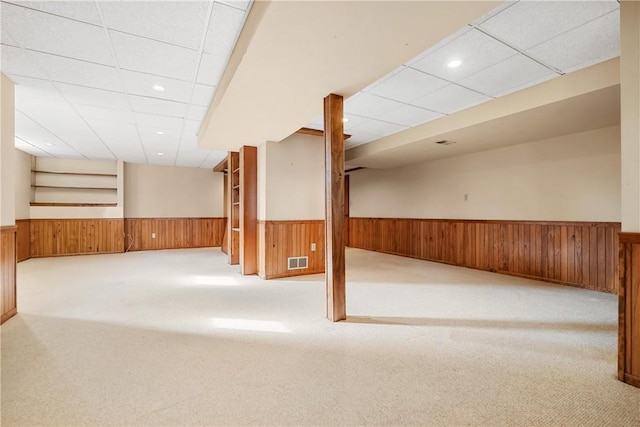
(142, 84)
(81, 73)
(410, 116)
(161, 107)
(116, 135)
(30, 149)
(158, 122)
(529, 23)
(493, 12)
(35, 88)
(196, 112)
(189, 142)
(17, 62)
(450, 99)
(150, 56)
(131, 155)
(359, 138)
(378, 128)
(160, 20)
(44, 32)
(238, 4)
(5, 37)
(89, 96)
(191, 127)
(224, 27)
(91, 113)
(367, 105)
(59, 118)
(85, 11)
(31, 132)
(351, 123)
(512, 74)
(151, 133)
(202, 95)
(590, 44)
(406, 85)
(213, 159)
(476, 50)
(211, 69)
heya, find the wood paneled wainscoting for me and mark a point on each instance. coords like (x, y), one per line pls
(629, 309)
(23, 239)
(279, 240)
(8, 260)
(173, 233)
(581, 254)
(59, 237)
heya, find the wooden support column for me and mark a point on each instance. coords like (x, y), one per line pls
(334, 208)
(629, 250)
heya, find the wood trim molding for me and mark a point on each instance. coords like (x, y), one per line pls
(222, 166)
(316, 132)
(8, 228)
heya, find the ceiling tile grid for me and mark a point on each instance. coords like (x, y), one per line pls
(517, 45)
(132, 80)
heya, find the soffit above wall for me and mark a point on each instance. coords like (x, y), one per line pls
(292, 54)
(585, 100)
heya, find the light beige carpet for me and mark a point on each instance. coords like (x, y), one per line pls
(180, 338)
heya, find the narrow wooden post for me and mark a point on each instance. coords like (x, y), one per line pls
(334, 208)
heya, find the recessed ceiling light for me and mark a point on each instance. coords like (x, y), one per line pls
(48, 144)
(160, 154)
(157, 88)
(455, 63)
(159, 132)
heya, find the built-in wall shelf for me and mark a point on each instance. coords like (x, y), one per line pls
(74, 183)
(74, 188)
(235, 229)
(73, 204)
(76, 173)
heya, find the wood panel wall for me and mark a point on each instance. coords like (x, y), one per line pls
(279, 240)
(23, 239)
(629, 309)
(8, 260)
(581, 254)
(57, 237)
(173, 233)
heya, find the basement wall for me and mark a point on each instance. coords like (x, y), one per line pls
(547, 210)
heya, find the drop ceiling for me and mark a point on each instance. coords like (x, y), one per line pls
(84, 70)
(515, 46)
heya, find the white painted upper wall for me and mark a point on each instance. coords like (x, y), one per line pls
(569, 178)
(172, 192)
(291, 179)
(7, 151)
(23, 184)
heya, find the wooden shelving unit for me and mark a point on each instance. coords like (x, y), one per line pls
(233, 209)
(240, 242)
(59, 188)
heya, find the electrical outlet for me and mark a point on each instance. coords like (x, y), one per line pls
(153, 235)
(313, 247)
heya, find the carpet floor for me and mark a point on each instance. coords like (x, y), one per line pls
(178, 337)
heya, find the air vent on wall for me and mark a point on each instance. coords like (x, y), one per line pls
(298, 263)
(445, 142)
